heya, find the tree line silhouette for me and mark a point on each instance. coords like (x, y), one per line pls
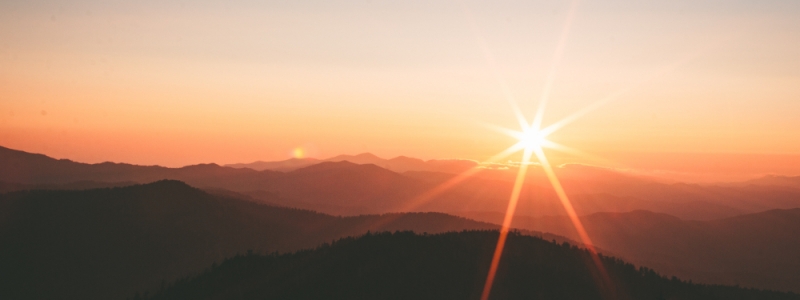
(405, 265)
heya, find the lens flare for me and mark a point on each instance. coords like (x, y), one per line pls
(532, 140)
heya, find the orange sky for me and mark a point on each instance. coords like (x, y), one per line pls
(176, 83)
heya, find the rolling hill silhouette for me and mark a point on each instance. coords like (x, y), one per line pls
(775, 180)
(28, 168)
(403, 265)
(283, 165)
(76, 185)
(364, 188)
(108, 243)
(398, 164)
(759, 250)
(369, 189)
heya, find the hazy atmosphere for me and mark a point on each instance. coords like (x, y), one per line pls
(442, 150)
(178, 83)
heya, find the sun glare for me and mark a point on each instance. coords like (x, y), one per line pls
(532, 139)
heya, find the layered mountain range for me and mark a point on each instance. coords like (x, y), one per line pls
(733, 233)
(349, 188)
(109, 243)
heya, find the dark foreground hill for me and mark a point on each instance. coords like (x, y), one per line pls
(108, 243)
(404, 265)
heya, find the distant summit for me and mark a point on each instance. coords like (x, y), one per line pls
(282, 165)
(775, 181)
(400, 164)
(363, 158)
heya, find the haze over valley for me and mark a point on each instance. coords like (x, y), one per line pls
(373, 149)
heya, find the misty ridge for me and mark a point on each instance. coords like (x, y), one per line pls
(341, 187)
(128, 230)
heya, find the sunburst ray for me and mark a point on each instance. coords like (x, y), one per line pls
(512, 206)
(551, 74)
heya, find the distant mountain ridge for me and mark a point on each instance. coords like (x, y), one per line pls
(398, 164)
(282, 166)
(76, 185)
(775, 180)
(350, 189)
(30, 168)
(354, 189)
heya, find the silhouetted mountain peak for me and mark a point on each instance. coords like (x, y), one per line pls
(5, 150)
(203, 166)
(454, 161)
(398, 164)
(166, 184)
(297, 159)
(8, 153)
(174, 188)
(330, 165)
(366, 155)
(23, 157)
(342, 166)
(775, 180)
(290, 164)
(363, 158)
(771, 215)
(406, 159)
(640, 215)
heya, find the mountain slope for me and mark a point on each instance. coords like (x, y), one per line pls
(759, 250)
(283, 165)
(29, 168)
(403, 265)
(6, 187)
(108, 243)
(398, 164)
(775, 180)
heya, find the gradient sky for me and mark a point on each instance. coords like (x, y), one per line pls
(716, 84)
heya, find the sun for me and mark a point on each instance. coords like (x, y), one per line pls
(532, 139)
